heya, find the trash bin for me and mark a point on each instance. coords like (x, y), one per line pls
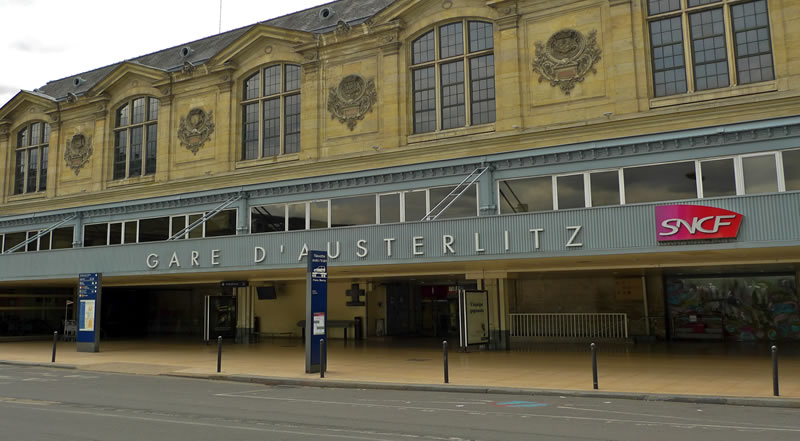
(359, 328)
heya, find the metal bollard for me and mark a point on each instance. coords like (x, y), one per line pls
(55, 339)
(322, 360)
(446, 370)
(594, 365)
(775, 371)
(219, 354)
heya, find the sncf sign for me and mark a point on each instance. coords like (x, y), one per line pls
(695, 222)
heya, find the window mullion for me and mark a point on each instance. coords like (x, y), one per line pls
(688, 52)
(467, 76)
(731, 47)
(282, 124)
(261, 123)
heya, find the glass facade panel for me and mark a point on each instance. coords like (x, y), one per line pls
(251, 89)
(115, 233)
(272, 80)
(152, 140)
(663, 182)
(528, 194)
(423, 49)
(465, 206)
(198, 231)
(292, 77)
(95, 235)
(154, 229)
(297, 216)
(669, 67)
(43, 168)
(152, 113)
(416, 205)
(62, 238)
(453, 98)
(268, 219)
(752, 42)
(791, 169)
(480, 36)
(451, 40)
(177, 224)
(292, 126)
(570, 192)
(424, 100)
(33, 165)
(120, 153)
(719, 178)
(760, 175)
(708, 43)
(138, 111)
(358, 210)
(272, 127)
(318, 215)
(137, 136)
(250, 131)
(222, 224)
(390, 208)
(482, 89)
(131, 232)
(605, 188)
(12, 240)
(44, 241)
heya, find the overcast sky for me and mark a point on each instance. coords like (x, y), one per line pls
(46, 40)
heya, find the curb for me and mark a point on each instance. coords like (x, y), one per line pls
(38, 364)
(788, 403)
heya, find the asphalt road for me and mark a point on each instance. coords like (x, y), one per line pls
(57, 404)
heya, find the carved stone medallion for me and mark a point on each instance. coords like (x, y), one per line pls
(196, 128)
(566, 58)
(352, 99)
(78, 151)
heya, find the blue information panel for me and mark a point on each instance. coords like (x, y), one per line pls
(316, 307)
(89, 289)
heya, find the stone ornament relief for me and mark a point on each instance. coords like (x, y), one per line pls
(196, 128)
(352, 99)
(78, 152)
(566, 58)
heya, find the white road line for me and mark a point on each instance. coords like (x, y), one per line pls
(657, 415)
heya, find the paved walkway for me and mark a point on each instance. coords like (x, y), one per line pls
(683, 368)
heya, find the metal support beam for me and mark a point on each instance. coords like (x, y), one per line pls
(208, 215)
(451, 197)
(42, 233)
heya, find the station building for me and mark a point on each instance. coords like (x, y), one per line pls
(601, 168)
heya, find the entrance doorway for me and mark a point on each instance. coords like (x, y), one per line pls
(423, 309)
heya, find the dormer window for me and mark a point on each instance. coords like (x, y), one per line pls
(271, 112)
(135, 138)
(30, 172)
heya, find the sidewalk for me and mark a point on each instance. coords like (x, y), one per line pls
(638, 369)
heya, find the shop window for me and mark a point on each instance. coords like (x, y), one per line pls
(453, 76)
(526, 195)
(465, 206)
(760, 174)
(390, 208)
(358, 210)
(30, 171)
(570, 191)
(663, 182)
(604, 188)
(268, 218)
(791, 169)
(271, 112)
(135, 138)
(718, 178)
(712, 27)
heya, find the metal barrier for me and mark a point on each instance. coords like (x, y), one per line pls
(610, 326)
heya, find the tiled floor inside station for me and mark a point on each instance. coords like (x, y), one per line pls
(735, 369)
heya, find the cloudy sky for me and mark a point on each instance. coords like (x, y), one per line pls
(46, 40)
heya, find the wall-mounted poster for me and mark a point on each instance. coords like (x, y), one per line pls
(474, 315)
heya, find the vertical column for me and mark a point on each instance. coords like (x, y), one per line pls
(164, 146)
(103, 158)
(54, 154)
(623, 82)
(243, 220)
(6, 160)
(487, 194)
(508, 77)
(224, 136)
(311, 107)
(391, 98)
(77, 232)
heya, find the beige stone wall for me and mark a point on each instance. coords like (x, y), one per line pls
(616, 101)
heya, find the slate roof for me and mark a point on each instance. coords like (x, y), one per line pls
(353, 12)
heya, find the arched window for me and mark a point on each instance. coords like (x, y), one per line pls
(446, 76)
(135, 138)
(30, 173)
(271, 112)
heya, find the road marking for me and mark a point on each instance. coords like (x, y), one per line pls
(26, 401)
(519, 404)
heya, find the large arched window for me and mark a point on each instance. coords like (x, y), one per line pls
(447, 78)
(271, 112)
(30, 172)
(135, 138)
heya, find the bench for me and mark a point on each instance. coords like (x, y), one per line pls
(344, 324)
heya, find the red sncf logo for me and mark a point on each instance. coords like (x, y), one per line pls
(695, 222)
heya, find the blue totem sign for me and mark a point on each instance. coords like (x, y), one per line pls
(89, 293)
(316, 307)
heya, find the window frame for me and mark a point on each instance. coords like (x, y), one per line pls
(42, 158)
(145, 124)
(260, 99)
(688, 43)
(437, 62)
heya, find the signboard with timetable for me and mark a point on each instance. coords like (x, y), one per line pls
(89, 291)
(316, 307)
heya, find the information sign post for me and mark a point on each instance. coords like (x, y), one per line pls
(89, 294)
(316, 307)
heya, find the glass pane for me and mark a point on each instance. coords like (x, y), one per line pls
(154, 229)
(197, 232)
(570, 192)
(46, 137)
(791, 169)
(43, 168)
(222, 224)
(122, 116)
(292, 129)
(19, 172)
(251, 87)
(152, 140)
(752, 42)
(250, 131)
(33, 165)
(292, 77)
(669, 71)
(483, 98)
(22, 137)
(693, 3)
(359, 210)
(451, 40)
(710, 56)
(760, 175)
(12, 240)
(719, 178)
(152, 113)
(390, 208)
(272, 80)
(268, 218)
(605, 188)
(664, 182)
(453, 97)
(136, 151)
(177, 224)
(130, 232)
(272, 127)
(416, 207)
(115, 234)
(34, 244)
(424, 100)
(318, 213)
(36, 134)
(95, 235)
(120, 153)
(44, 241)
(529, 194)
(465, 206)
(659, 6)
(480, 36)
(62, 238)
(297, 216)
(138, 111)
(423, 48)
